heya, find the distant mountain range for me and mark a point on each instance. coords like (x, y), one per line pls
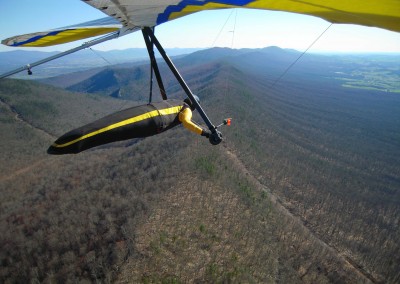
(81, 60)
(275, 65)
(349, 67)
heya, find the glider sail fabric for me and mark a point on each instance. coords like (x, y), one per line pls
(145, 13)
(133, 15)
(66, 34)
(136, 122)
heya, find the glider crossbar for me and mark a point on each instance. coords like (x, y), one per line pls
(178, 76)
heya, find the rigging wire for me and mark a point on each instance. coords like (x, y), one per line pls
(298, 58)
(223, 26)
(225, 83)
(99, 55)
(227, 78)
(234, 29)
(124, 102)
(225, 92)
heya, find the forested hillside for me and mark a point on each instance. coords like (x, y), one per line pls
(304, 188)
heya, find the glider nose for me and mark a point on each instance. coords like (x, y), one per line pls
(54, 151)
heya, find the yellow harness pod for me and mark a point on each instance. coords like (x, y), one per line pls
(136, 122)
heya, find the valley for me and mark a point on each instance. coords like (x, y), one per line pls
(305, 187)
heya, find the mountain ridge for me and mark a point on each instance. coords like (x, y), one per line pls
(170, 206)
(275, 65)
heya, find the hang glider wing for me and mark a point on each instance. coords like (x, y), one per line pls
(148, 13)
(65, 34)
(132, 15)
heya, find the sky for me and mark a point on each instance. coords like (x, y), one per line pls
(234, 28)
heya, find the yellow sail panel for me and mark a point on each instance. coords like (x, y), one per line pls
(60, 37)
(66, 34)
(138, 13)
(383, 14)
(135, 14)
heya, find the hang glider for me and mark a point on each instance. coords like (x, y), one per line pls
(127, 16)
(133, 15)
(139, 13)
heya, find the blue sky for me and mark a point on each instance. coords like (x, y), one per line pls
(237, 28)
